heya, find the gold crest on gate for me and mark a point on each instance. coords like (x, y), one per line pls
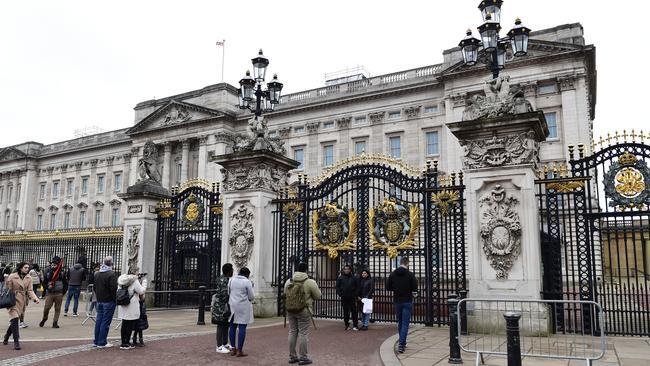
(393, 226)
(192, 210)
(334, 228)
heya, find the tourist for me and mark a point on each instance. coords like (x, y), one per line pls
(37, 277)
(57, 285)
(143, 321)
(300, 291)
(91, 288)
(220, 309)
(241, 307)
(347, 286)
(21, 284)
(105, 291)
(130, 312)
(366, 289)
(75, 276)
(48, 265)
(403, 284)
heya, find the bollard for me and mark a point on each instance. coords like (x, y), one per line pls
(454, 346)
(512, 333)
(462, 312)
(201, 320)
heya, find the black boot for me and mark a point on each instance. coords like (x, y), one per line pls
(14, 331)
(5, 341)
(55, 325)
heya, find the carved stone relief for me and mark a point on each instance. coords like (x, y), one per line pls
(253, 177)
(343, 122)
(284, 132)
(500, 230)
(412, 112)
(176, 114)
(500, 98)
(133, 248)
(241, 237)
(257, 138)
(135, 208)
(376, 117)
(567, 83)
(501, 150)
(312, 127)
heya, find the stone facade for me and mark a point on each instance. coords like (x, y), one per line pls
(389, 114)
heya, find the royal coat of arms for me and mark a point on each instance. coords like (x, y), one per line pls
(393, 226)
(627, 182)
(334, 228)
(193, 209)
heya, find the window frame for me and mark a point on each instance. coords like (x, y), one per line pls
(101, 178)
(557, 126)
(390, 146)
(300, 148)
(426, 142)
(85, 181)
(117, 186)
(324, 148)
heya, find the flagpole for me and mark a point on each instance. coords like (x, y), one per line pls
(223, 57)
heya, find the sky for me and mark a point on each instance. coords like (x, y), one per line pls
(66, 65)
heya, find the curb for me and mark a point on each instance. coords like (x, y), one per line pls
(387, 352)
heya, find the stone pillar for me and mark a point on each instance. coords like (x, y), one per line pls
(167, 164)
(500, 158)
(27, 204)
(133, 170)
(251, 181)
(203, 157)
(185, 159)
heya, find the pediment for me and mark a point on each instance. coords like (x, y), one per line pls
(174, 114)
(11, 153)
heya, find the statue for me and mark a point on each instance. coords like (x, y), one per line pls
(148, 164)
(500, 98)
(256, 138)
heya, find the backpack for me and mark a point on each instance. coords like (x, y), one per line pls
(122, 297)
(295, 299)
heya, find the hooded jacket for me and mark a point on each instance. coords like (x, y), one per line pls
(105, 285)
(366, 287)
(312, 292)
(347, 285)
(132, 310)
(402, 282)
(76, 275)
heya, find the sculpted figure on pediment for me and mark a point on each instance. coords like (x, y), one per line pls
(176, 114)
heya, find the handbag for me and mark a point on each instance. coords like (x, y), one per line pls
(7, 299)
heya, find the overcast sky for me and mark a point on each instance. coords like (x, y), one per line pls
(69, 64)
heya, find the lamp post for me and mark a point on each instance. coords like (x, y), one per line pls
(251, 88)
(494, 48)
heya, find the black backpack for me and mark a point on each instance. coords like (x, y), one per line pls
(122, 297)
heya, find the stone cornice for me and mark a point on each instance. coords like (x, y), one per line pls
(187, 95)
(141, 126)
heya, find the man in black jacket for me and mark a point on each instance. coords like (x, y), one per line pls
(347, 287)
(403, 284)
(57, 285)
(105, 291)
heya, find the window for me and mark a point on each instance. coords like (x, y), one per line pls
(328, 155)
(394, 115)
(359, 120)
(395, 147)
(115, 216)
(118, 182)
(55, 189)
(11, 191)
(551, 121)
(41, 191)
(66, 220)
(359, 147)
(328, 125)
(18, 188)
(299, 156)
(82, 219)
(547, 88)
(39, 222)
(2, 192)
(98, 218)
(69, 189)
(52, 221)
(100, 184)
(179, 169)
(431, 109)
(84, 185)
(16, 220)
(299, 129)
(433, 144)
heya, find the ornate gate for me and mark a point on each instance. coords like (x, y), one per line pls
(595, 230)
(188, 247)
(369, 212)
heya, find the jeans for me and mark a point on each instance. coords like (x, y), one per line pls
(365, 319)
(73, 290)
(403, 312)
(299, 334)
(350, 306)
(234, 327)
(103, 321)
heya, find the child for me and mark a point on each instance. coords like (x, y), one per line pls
(143, 322)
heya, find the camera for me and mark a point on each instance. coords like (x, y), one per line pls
(140, 275)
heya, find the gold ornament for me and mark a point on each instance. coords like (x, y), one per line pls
(444, 199)
(391, 222)
(334, 229)
(566, 187)
(629, 182)
(292, 209)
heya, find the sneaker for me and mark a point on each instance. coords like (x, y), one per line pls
(42, 323)
(75, 314)
(229, 347)
(355, 328)
(125, 346)
(23, 325)
(223, 349)
(65, 314)
(364, 328)
(347, 327)
(293, 360)
(305, 361)
(400, 349)
(107, 345)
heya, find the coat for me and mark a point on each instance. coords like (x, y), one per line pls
(241, 300)
(22, 287)
(347, 286)
(220, 309)
(131, 311)
(366, 288)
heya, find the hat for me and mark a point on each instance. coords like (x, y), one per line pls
(56, 259)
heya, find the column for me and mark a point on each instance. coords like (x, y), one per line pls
(203, 157)
(14, 199)
(167, 164)
(133, 170)
(185, 159)
(26, 204)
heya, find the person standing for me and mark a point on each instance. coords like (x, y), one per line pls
(75, 276)
(129, 313)
(105, 291)
(2, 277)
(241, 307)
(347, 286)
(366, 289)
(404, 285)
(35, 274)
(21, 284)
(48, 265)
(143, 322)
(300, 291)
(57, 285)
(220, 309)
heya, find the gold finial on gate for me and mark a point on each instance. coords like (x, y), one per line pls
(624, 135)
(601, 142)
(453, 178)
(571, 147)
(545, 170)
(633, 135)
(617, 137)
(581, 150)
(609, 139)
(563, 170)
(461, 176)
(641, 136)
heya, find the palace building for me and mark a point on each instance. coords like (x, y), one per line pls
(75, 184)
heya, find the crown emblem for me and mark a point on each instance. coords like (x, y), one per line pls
(495, 143)
(627, 159)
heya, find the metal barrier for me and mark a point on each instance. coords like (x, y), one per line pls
(534, 328)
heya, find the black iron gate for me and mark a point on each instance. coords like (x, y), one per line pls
(595, 215)
(188, 247)
(369, 212)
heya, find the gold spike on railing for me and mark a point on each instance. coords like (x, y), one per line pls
(609, 139)
(624, 136)
(617, 137)
(581, 150)
(633, 136)
(641, 136)
(571, 147)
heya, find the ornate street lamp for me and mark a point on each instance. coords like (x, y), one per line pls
(251, 88)
(494, 47)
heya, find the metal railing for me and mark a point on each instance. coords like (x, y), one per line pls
(527, 328)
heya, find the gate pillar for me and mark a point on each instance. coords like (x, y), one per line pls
(500, 161)
(251, 180)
